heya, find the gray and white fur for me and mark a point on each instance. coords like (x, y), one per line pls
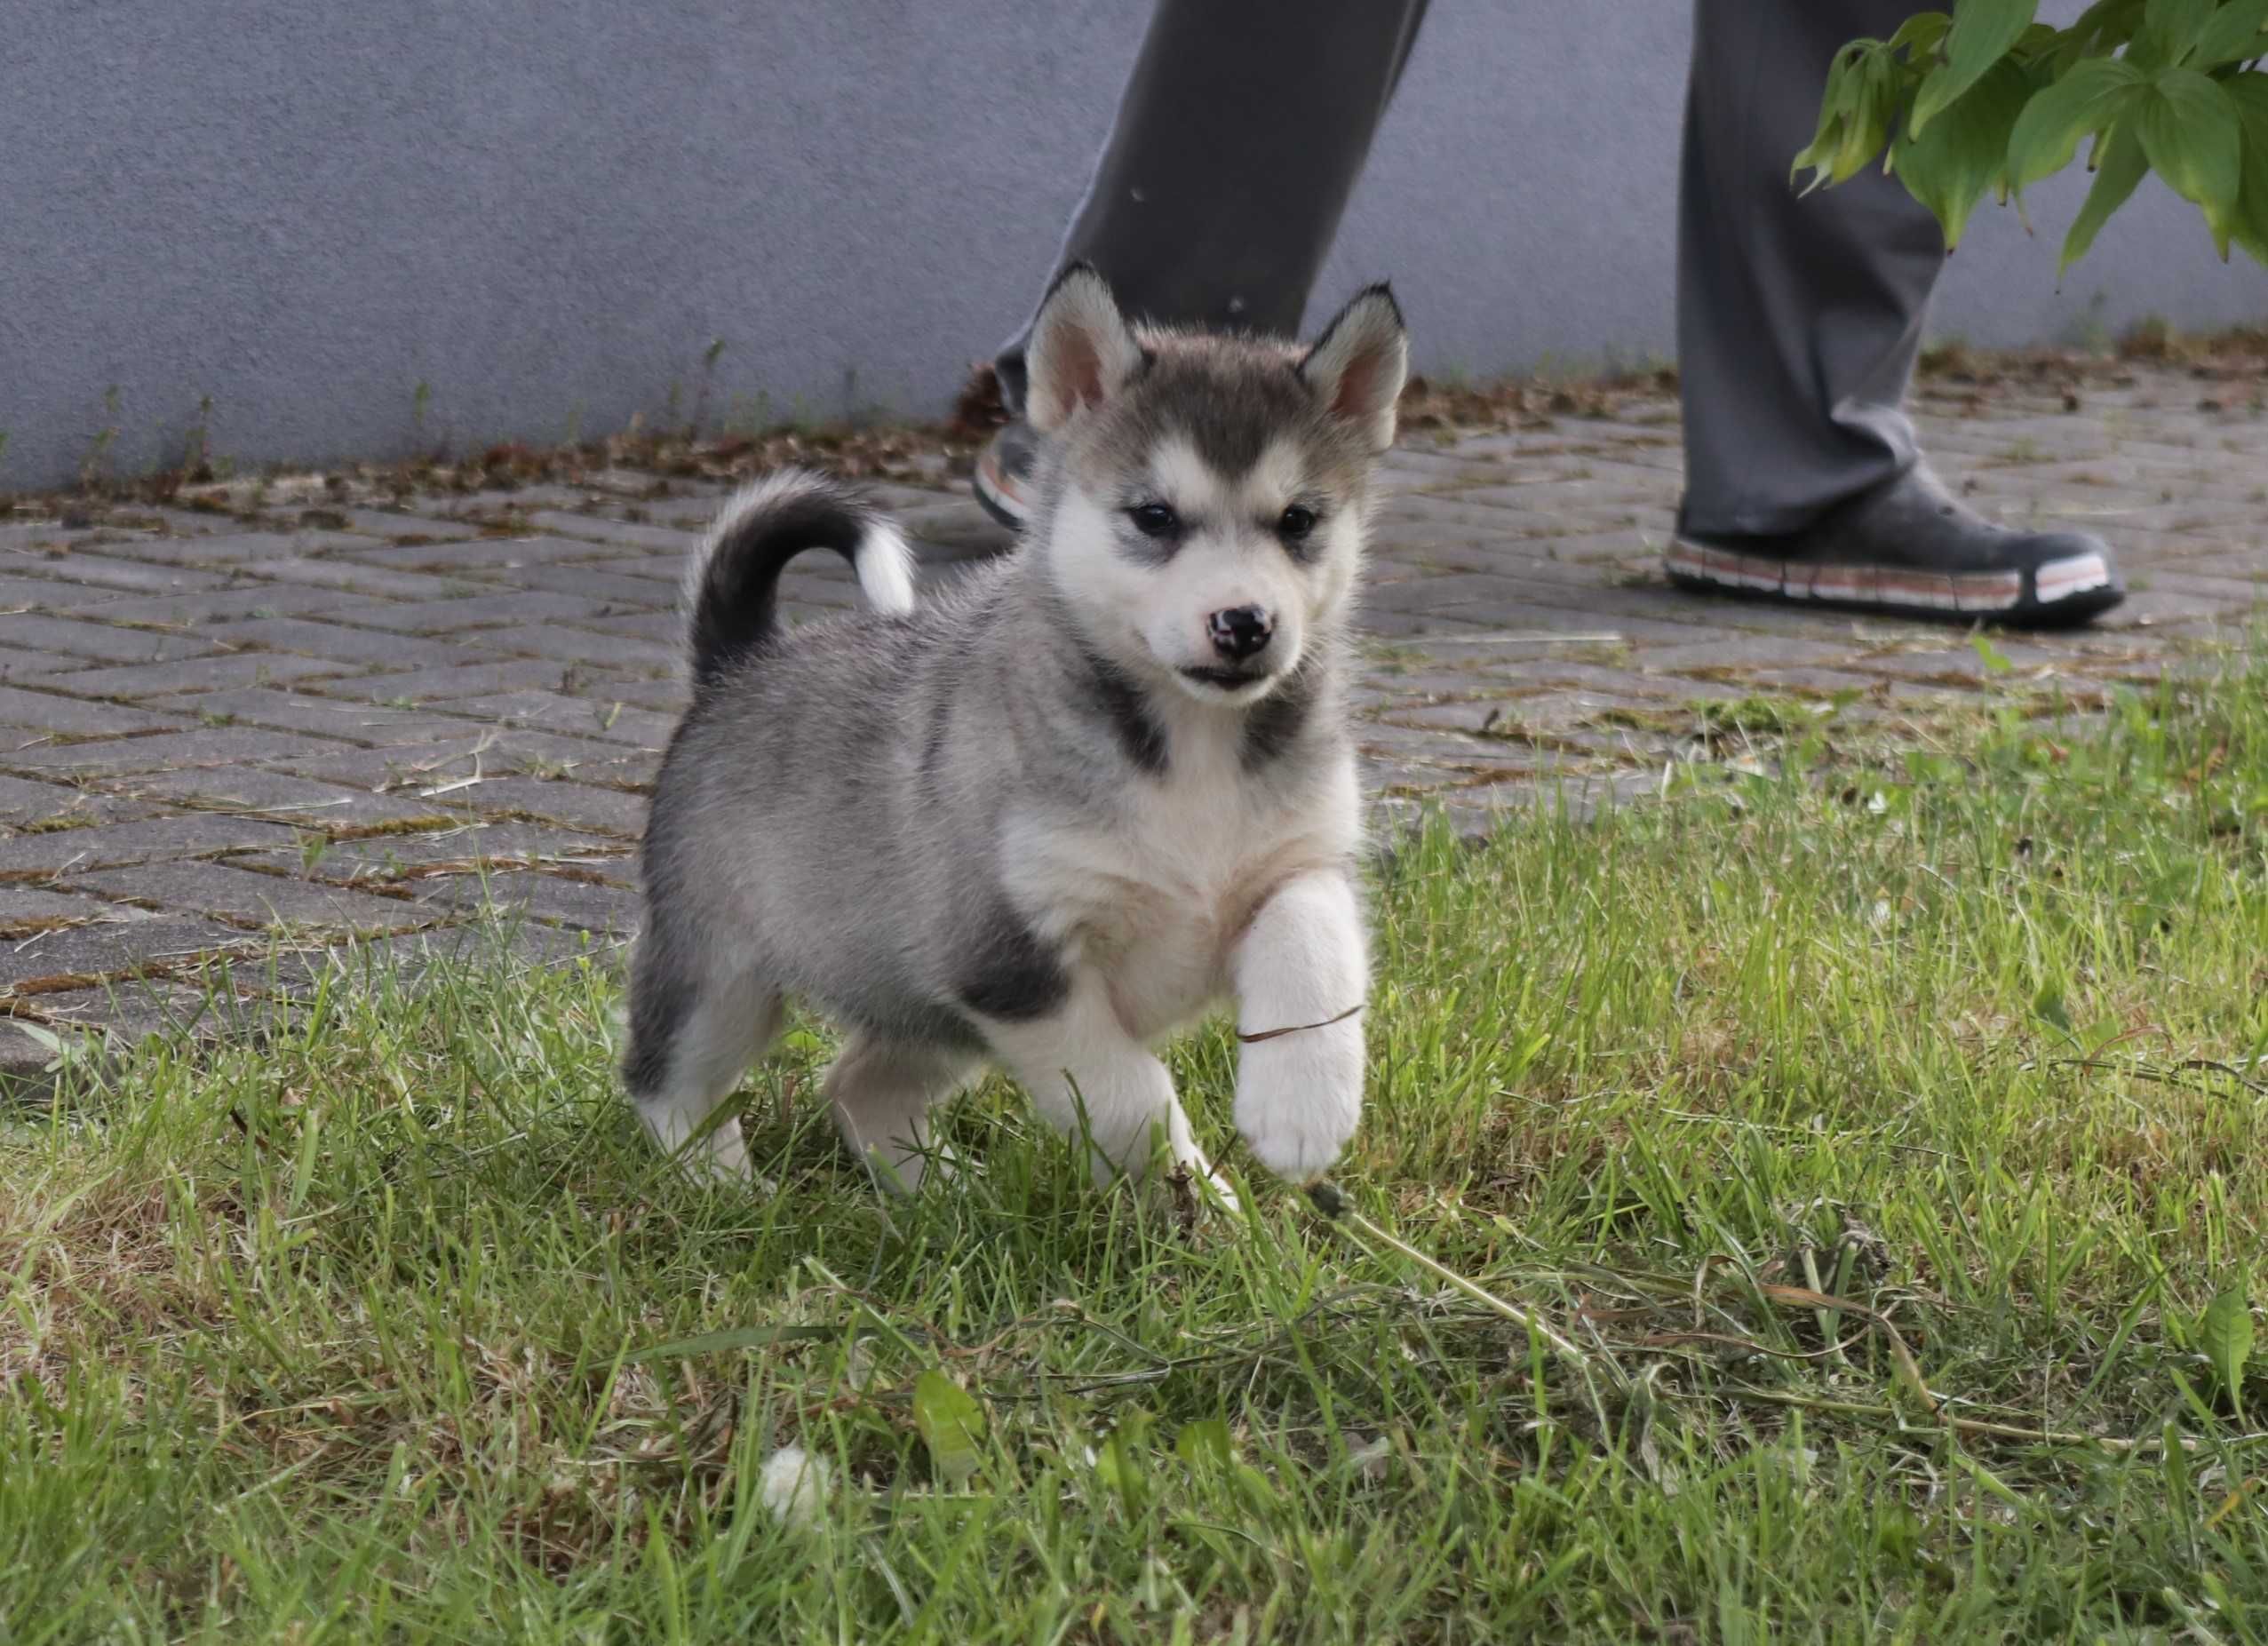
(1104, 784)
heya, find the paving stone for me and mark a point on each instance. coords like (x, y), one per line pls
(55, 806)
(20, 667)
(667, 570)
(198, 674)
(469, 679)
(608, 811)
(481, 556)
(113, 1022)
(607, 587)
(392, 527)
(79, 571)
(335, 720)
(548, 897)
(51, 962)
(582, 717)
(801, 593)
(478, 947)
(1804, 682)
(663, 628)
(488, 752)
(165, 752)
(618, 533)
(231, 549)
(100, 641)
(511, 499)
(355, 577)
(1960, 666)
(590, 650)
(41, 856)
(505, 608)
(130, 1011)
(244, 598)
(337, 643)
(670, 695)
(1750, 651)
(27, 909)
(242, 896)
(328, 807)
(476, 844)
(73, 717)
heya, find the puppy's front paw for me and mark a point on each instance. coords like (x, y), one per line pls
(1299, 1097)
(718, 1158)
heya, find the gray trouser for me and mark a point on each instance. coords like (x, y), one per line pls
(1245, 125)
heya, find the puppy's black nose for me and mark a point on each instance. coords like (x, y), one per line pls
(1239, 632)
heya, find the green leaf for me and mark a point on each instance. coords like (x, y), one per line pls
(2119, 166)
(1920, 35)
(1949, 167)
(2249, 93)
(1854, 113)
(2225, 1335)
(2101, 29)
(2193, 135)
(1869, 125)
(2234, 35)
(1203, 1444)
(2174, 1461)
(1993, 658)
(46, 1039)
(1983, 31)
(2174, 26)
(2049, 130)
(2049, 1005)
(951, 1424)
(1122, 1461)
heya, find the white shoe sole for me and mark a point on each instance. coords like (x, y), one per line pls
(2085, 580)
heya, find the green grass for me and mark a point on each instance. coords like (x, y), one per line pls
(394, 1328)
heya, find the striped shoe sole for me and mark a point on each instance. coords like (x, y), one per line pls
(2064, 591)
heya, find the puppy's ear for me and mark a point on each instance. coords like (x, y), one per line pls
(1081, 352)
(1357, 366)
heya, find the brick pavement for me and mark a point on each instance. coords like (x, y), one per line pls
(278, 736)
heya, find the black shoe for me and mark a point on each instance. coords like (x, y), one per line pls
(1909, 548)
(1006, 470)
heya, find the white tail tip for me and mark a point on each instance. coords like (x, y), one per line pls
(884, 566)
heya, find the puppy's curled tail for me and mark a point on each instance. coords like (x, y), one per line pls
(732, 586)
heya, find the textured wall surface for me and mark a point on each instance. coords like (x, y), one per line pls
(546, 214)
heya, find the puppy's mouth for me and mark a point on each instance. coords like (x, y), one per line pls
(1228, 682)
(1225, 679)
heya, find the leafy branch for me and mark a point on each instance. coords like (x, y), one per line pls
(1989, 98)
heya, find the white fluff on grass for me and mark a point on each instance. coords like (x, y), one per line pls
(795, 1486)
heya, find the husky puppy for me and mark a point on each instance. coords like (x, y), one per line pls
(1102, 785)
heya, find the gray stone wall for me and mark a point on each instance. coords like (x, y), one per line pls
(357, 230)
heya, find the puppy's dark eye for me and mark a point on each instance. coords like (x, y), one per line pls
(1295, 523)
(1154, 519)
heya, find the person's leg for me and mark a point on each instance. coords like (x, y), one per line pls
(1799, 318)
(1243, 130)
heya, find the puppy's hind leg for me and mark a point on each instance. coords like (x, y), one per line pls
(881, 1091)
(692, 1035)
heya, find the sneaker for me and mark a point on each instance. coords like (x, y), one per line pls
(1006, 470)
(1909, 548)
